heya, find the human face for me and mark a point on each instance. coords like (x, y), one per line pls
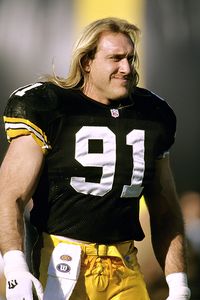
(109, 73)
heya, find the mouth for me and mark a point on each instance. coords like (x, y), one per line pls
(122, 77)
(126, 78)
(124, 81)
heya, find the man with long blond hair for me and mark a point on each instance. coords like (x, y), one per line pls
(86, 148)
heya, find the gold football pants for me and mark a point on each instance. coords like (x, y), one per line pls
(108, 272)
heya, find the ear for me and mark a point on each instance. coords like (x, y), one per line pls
(86, 62)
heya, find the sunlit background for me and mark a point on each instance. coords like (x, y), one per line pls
(34, 33)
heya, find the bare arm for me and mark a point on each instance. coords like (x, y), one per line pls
(166, 221)
(19, 173)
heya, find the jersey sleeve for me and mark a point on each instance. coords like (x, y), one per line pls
(27, 113)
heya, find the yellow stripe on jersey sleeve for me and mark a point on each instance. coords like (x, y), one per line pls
(16, 127)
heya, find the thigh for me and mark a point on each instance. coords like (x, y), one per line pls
(132, 285)
(110, 278)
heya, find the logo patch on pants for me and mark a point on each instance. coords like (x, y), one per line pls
(63, 268)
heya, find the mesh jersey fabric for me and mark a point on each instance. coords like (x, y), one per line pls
(98, 158)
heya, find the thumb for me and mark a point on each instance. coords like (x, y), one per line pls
(38, 287)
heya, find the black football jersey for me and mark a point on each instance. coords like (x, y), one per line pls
(98, 158)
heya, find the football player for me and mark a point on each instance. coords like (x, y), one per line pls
(86, 148)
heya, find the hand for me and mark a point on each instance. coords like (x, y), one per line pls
(20, 283)
(19, 286)
(178, 286)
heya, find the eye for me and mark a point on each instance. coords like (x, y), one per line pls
(116, 58)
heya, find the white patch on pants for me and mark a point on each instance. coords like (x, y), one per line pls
(63, 271)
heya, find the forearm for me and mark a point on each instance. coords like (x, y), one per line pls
(169, 250)
(12, 225)
(175, 260)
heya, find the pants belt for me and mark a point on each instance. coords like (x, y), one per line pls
(91, 248)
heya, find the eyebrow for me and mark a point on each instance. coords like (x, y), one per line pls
(121, 55)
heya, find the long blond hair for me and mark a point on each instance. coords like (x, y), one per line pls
(86, 46)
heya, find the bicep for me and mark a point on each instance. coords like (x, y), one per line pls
(161, 196)
(20, 168)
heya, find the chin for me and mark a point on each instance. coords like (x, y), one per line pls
(122, 95)
(119, 93)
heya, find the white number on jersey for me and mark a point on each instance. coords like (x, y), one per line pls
(107, 161)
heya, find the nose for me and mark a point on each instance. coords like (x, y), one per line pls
(125, 66)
